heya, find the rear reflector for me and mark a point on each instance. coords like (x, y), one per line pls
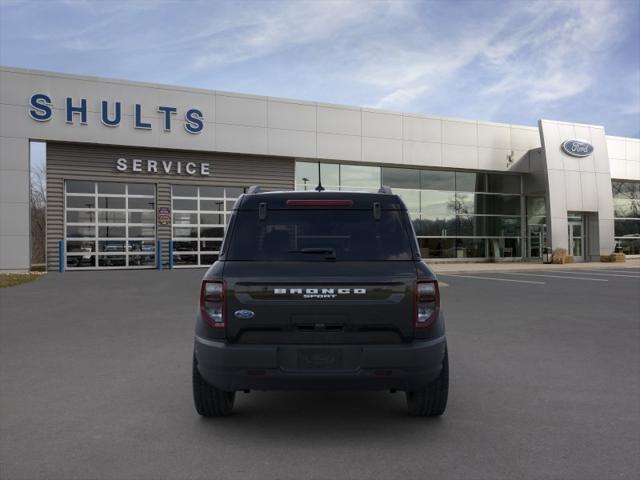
(319, 203)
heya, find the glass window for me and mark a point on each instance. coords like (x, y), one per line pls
(184, 191)
(81, 261)
(471, 182)
(401, 177)
(211, 192)
(112, 260)
(185, 204)
(411, 199)
(536, 206)
(306, 175)
(215, 232)
(437, 180)
(75, 186)
(142, 189)
(80, 246)
(185, 232)
(211, 218)
(81, 202)
(470, 247)
(496, 204)
(359, 177)
(210, 245)
(437, 205)
(503, 183)
(141, 232)
(148, 246)
(627, 228)
(112, 202)
(111, 188)
(625, 189)
(142, 217)
(185, 246)
(111, 217)
(504, 247)
(81, 216)
(626, 208)
(80, 232)
(289, 235)
(630, 246)
(434, 227)
(111, 232)
(208, 259)
(185, 218)
(142, 203)
(212, 205)
(111, 245)
(437, 247)
(330, 175)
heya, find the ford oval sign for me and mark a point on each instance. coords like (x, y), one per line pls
(577, 148)
(244, 314)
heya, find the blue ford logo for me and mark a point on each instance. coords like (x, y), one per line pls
(244, 314)
(577, 148)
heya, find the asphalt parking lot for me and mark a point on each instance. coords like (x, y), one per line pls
(95, 384)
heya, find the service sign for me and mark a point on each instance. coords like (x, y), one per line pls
(577, 148)
(164, 216)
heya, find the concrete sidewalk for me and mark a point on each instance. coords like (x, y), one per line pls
(523, 266)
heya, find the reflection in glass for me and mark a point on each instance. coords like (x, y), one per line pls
(359, 177)
(306, 175)
(437, 205)
(111, 217)
(112, 188)
(81, 202)
(401, 177)
(437, 180)
(75, 186)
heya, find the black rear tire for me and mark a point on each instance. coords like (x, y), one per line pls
(432, 401)
(210, 401)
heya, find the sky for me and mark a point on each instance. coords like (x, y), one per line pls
(502, 61)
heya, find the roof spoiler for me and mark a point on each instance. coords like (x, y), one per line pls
(254, 189)
(385, 190)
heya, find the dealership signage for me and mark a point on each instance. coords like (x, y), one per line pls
(164, 216)
(577, 148)
(41, 109)
(162, 167)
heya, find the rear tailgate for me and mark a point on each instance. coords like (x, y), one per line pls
(320, 302)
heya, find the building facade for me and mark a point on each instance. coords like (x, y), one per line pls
(142, 174)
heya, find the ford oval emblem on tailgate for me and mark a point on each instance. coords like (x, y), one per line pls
(245, 314)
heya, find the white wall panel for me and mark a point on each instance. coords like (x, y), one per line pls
(382, 150)
(292, 143)
(381, 125)
(419, 129)
(291, 116)
(460, 133)
(493, 159)
(456, 156)
(245, 111)
(339, 120)
(339, 147)
(617, 148)
(589, 191)
(494, 136)
(236, 138)
(422, 153)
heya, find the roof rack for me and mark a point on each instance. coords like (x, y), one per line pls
(254, 189)
(386, 190)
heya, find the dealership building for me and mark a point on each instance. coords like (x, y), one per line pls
(143, 175)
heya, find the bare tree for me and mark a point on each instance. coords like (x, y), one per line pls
(38, 209)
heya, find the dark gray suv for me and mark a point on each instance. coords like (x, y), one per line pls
(320, 290)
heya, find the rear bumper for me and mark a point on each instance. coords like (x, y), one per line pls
(233, 367)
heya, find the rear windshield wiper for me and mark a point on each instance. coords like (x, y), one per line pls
(330, 253)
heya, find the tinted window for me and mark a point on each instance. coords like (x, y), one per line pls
(437, 180)
(351, 234)
(400, 177)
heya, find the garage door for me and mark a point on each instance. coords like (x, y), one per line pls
(109, 225)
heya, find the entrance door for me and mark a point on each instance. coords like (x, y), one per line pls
(576, 238)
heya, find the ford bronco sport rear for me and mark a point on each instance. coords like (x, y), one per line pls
(320, 290)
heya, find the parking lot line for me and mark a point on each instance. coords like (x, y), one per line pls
(555, 276)
(492, 278)
(603, 274)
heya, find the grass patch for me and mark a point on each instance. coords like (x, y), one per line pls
(13, 279)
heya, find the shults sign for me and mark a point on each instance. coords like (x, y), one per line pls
(41, 109)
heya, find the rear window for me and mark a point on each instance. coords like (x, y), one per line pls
(319, 235)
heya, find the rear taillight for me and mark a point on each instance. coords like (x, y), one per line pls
(427, 303)
(212, 303)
